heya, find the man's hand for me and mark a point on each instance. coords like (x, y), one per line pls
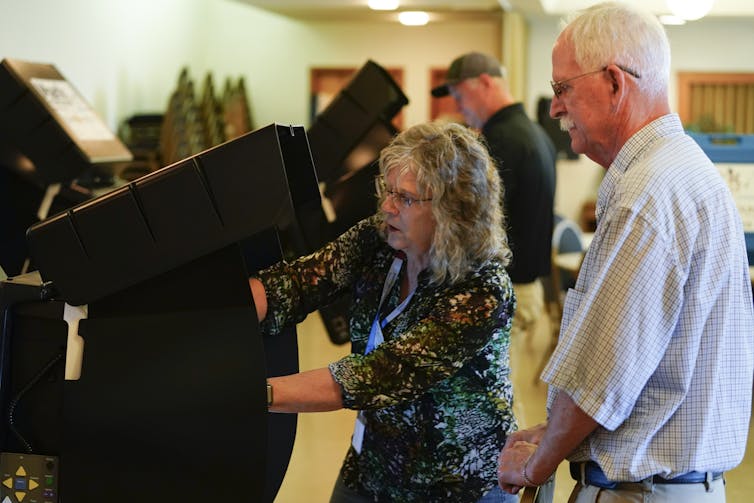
(511, 463)
(542, 448)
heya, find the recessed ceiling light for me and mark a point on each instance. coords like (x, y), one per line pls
(383, 4)
(413, 18)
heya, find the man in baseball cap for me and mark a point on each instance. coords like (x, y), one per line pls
(465, 67)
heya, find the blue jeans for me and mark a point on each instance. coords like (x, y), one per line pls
(497, 495)
(342, 494)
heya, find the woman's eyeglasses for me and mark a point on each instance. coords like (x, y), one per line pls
(399, 199)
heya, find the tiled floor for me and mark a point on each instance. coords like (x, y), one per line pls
(322, 438)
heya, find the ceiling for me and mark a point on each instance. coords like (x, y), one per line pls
(442, 9)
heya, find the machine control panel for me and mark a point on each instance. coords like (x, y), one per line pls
(28, 478)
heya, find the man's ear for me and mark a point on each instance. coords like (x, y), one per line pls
(618, 83)
(485, 79)
(616, 76)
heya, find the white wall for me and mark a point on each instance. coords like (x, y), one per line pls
(122, 56)
(276, 53)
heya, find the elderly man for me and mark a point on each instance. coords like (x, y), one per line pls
(651, 381)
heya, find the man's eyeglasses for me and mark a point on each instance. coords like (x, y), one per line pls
(399, 199)
(560, 86)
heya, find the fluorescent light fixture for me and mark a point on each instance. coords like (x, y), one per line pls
(671, 20)
(383, 4)
(690, 10)
(413, 18)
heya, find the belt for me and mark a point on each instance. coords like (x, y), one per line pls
(594, 476)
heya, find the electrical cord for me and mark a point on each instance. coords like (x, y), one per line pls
(14, 402)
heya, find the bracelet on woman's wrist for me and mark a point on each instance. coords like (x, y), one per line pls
(526, 479)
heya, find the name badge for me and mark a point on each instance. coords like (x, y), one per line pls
(358, 432)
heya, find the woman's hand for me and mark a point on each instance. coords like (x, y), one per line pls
(531, 435)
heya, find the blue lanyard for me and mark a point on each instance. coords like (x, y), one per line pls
(375, 334)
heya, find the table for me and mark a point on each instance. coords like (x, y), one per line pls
(570, 261)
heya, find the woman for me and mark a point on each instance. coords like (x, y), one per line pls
(429, 323)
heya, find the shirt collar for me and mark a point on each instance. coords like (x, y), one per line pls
(633, 150)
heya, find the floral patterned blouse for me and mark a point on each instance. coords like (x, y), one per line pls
(436, 393)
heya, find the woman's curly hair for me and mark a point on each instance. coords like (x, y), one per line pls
(453, 165)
